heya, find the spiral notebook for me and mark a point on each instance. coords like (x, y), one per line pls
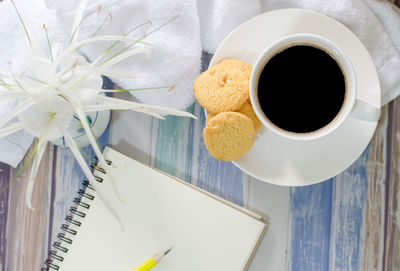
(160, 211)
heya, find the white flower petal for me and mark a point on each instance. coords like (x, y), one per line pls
(12, 128)
(79, 158)
(37, 71)
(86, 89)
(123, 56)
(77, 20)
(144, 107)
(82, 116)
(73, 49)
(20, 108)
(28, 196)
(35, 167)
(56, 49)
(38, 117)
(108, 72)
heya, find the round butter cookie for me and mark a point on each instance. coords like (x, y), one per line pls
(223, 87)
(209, 117)
(247, 110)
(229, 135)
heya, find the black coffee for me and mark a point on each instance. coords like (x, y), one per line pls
(301, 89)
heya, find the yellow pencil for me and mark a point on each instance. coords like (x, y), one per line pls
(153, 261)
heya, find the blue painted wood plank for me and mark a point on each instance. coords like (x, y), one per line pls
(326, 221)
(310, 227)
(348, 216)
(218, 177)
(176, 141)
(174, 146)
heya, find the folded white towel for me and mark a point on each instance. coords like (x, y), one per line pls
(389, 16)
(219, 18)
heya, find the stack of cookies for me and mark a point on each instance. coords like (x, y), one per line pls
(231, 124)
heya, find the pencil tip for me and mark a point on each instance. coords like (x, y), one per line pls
(167, 251)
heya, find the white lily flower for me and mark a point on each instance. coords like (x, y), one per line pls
(60, 85)
(54, 110)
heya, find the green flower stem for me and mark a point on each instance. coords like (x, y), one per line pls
(137, 89)
(23, 24)
(48, 42)
(80, 23)
(145, 36)
(126, 34)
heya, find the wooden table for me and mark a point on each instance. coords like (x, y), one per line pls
(350, 222)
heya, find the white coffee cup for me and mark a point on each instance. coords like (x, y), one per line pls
(352, 107)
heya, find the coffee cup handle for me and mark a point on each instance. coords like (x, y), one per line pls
(365, 111)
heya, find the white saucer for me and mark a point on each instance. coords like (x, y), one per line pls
(283, 161)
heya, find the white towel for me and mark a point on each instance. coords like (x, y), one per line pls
(219, 18)
(202, 24)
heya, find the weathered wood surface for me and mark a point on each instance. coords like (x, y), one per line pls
(375, 208)
(351, 222)
(391, 251)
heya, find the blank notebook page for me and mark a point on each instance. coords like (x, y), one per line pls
(160, 212)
